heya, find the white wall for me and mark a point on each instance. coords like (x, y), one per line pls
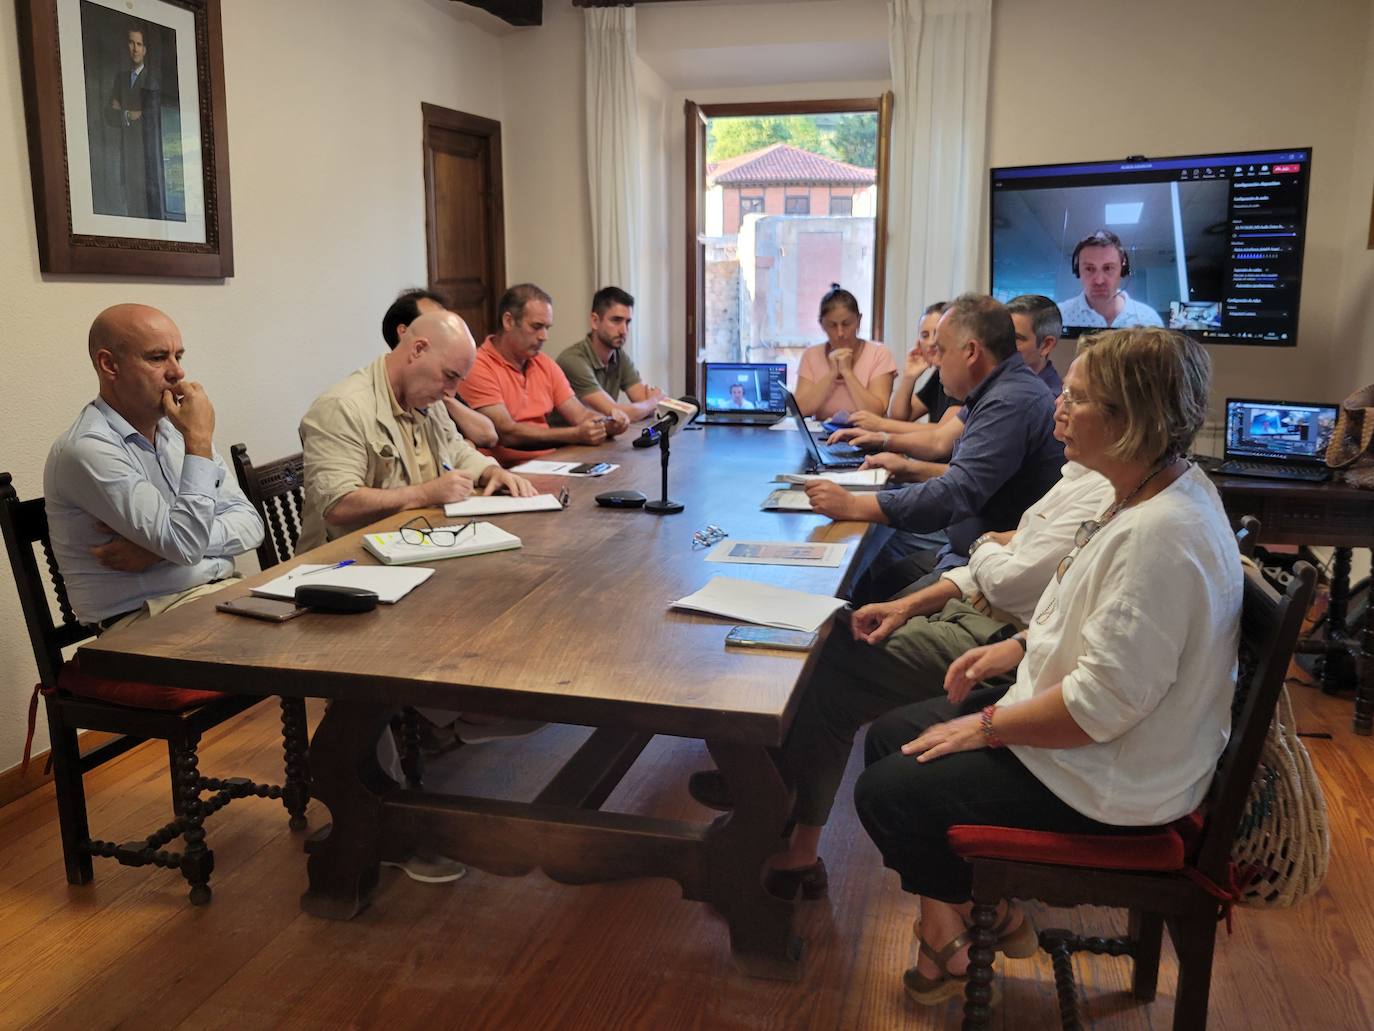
(1181, 77)
(328, 218)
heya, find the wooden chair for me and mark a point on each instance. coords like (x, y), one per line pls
(1178, 877)
(277, 491)
(134, 711)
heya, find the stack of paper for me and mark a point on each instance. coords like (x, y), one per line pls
(472, 539)
(500, 504)
(850, 479)
(539, 467)
(750, 602)
(787, 501)
(390, 585)
(791, 424)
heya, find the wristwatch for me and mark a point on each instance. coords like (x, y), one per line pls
(979, 542)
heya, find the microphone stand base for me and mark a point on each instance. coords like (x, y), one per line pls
(663, 507)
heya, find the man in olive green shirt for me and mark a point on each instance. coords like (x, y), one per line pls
(597, 366)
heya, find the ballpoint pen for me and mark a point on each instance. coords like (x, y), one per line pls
(324, 569)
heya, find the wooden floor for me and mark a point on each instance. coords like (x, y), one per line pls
(492, 952)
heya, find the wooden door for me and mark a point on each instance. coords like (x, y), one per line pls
(464, 227)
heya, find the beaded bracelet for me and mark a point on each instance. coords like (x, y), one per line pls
(990, 737)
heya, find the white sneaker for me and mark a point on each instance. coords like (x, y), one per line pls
(429, 867)
(476, 733)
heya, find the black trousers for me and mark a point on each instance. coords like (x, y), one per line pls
(908, 807)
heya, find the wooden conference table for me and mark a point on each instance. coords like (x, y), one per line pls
(573, 627)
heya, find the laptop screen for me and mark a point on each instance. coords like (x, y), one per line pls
(745, 387)
(1278, 430)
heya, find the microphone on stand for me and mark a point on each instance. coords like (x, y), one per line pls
(670, 415)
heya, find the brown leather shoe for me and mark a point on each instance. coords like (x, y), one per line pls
(708, 788)
(812, 881)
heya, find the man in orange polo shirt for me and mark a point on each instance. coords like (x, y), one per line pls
(515, 385)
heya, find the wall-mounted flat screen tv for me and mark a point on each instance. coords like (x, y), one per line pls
(1210, 244)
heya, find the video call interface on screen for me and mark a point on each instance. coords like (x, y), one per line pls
(1212, 244)
(751, 388)
(1264, 429)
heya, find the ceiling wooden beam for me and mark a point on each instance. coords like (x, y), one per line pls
(514, 12)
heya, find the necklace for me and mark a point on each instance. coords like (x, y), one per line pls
(1089, 528)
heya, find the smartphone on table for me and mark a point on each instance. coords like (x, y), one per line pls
(769, 637)
(273, 610)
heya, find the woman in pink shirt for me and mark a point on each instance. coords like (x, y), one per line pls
(845, 373)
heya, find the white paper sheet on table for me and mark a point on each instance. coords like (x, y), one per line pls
(791, 424)
(538, 467)
(751, 602)
(785, 500)
(778, 553)
(500, 504)
(390, 583)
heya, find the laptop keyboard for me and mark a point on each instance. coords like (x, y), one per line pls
(1239, 467)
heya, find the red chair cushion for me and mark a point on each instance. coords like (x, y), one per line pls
(1163, 849)
(132, 693)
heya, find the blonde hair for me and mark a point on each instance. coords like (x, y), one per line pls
(1155, 380)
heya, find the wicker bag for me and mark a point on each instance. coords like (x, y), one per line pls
(1282, 845)
(1352, 443)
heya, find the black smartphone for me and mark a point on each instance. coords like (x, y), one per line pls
(590, 468)
(273, 610)
(769, 637)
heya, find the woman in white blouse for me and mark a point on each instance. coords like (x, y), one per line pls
(1121, 704)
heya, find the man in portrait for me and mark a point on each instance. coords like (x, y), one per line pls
(135, 112)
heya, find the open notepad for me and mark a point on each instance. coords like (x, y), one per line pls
(390, 585)
(472, 539)
(751, 602)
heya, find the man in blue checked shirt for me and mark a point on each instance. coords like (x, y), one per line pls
(142, 512)
(1005, 459)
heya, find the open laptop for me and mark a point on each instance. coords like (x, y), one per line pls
(1282, 440)
(744, 393)
(823, 456)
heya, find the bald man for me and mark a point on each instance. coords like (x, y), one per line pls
(142, 511)
(378, 443)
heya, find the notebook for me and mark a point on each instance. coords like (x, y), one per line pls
(473, 539)
(744, 393)
(501, 504)
(1283, 440)
(850, 479)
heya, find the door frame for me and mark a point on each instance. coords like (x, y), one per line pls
(696, 117)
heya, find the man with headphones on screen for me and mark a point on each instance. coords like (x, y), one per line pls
(1100, 262)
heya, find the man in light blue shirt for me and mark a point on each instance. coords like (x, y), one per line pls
(1100, 262)
(142, 511)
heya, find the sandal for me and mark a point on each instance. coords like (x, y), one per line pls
(1021, 943)
(931, 991)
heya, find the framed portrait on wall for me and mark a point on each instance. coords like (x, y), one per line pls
(128, 146)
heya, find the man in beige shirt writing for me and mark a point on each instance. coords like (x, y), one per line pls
(378, 442)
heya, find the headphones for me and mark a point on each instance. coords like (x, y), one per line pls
(1102, 238)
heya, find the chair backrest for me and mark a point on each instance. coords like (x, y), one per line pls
(1248, 535)
(277, 491)
(1269, 625)
(25, 524)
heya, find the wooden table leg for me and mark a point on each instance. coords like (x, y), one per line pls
(761, 938)
(1364, 683)
(347, 778)
(1335, 664)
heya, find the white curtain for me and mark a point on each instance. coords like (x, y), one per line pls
(937, 184)
(613, 158)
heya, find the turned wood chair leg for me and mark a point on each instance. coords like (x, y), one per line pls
(197, 861)
(981, 952)
(71, 797)
(1146, 932)
(295, 795)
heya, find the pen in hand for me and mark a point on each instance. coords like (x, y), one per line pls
(324, 569)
